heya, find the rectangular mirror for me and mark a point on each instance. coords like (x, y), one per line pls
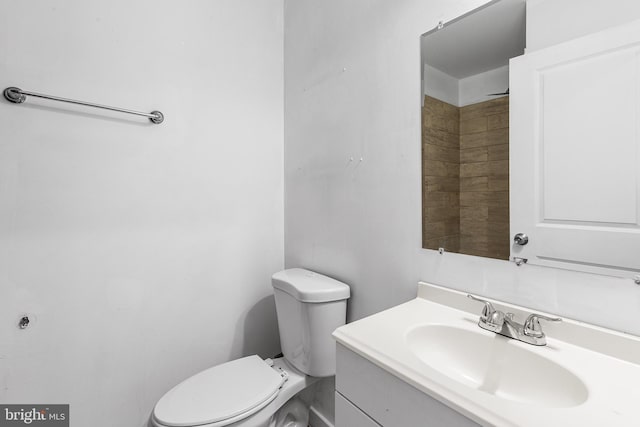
(465, 129)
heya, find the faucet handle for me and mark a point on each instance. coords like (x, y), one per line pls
(488, 311)
(532, 327)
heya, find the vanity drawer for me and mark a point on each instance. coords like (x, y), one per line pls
(348, 415)
(389, 401)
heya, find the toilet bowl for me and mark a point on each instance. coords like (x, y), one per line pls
(252, 392)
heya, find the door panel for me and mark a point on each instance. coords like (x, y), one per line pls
(575, 153)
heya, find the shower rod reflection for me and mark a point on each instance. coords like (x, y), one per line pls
(18, 96)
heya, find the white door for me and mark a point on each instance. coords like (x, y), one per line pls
(575, 153)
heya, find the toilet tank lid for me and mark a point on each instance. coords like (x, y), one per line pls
(308, 286)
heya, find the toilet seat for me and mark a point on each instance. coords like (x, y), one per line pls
(220, 395)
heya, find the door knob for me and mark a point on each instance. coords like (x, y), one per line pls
(521, 239)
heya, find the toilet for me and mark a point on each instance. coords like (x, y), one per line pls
(252, 392)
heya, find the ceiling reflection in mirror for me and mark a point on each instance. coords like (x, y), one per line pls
(465, 130)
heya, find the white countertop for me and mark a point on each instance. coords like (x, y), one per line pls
(607, 362)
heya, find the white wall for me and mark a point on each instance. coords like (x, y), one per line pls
(440, 85)
(356, 93)
(474, 89)
(143, 252)
(466, 91)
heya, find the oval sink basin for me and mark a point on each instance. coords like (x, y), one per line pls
(491, 363)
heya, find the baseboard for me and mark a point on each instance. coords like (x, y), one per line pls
(316, 419)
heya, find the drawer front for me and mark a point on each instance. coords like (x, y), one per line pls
(348, 415)
(388, 400)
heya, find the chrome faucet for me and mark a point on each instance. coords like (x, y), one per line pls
(503, 323)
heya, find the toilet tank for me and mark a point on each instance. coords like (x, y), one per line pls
(310, 307)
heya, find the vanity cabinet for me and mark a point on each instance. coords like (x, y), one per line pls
(350, 415)
(575, 153)
(368, 396)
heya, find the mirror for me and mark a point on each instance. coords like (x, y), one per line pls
(465, 129)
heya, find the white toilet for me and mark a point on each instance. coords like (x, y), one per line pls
(251, 392)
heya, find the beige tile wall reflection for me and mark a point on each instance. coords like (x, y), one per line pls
(441, 175)
(465, 155)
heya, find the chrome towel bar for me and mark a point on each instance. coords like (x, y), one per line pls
(18, 96)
